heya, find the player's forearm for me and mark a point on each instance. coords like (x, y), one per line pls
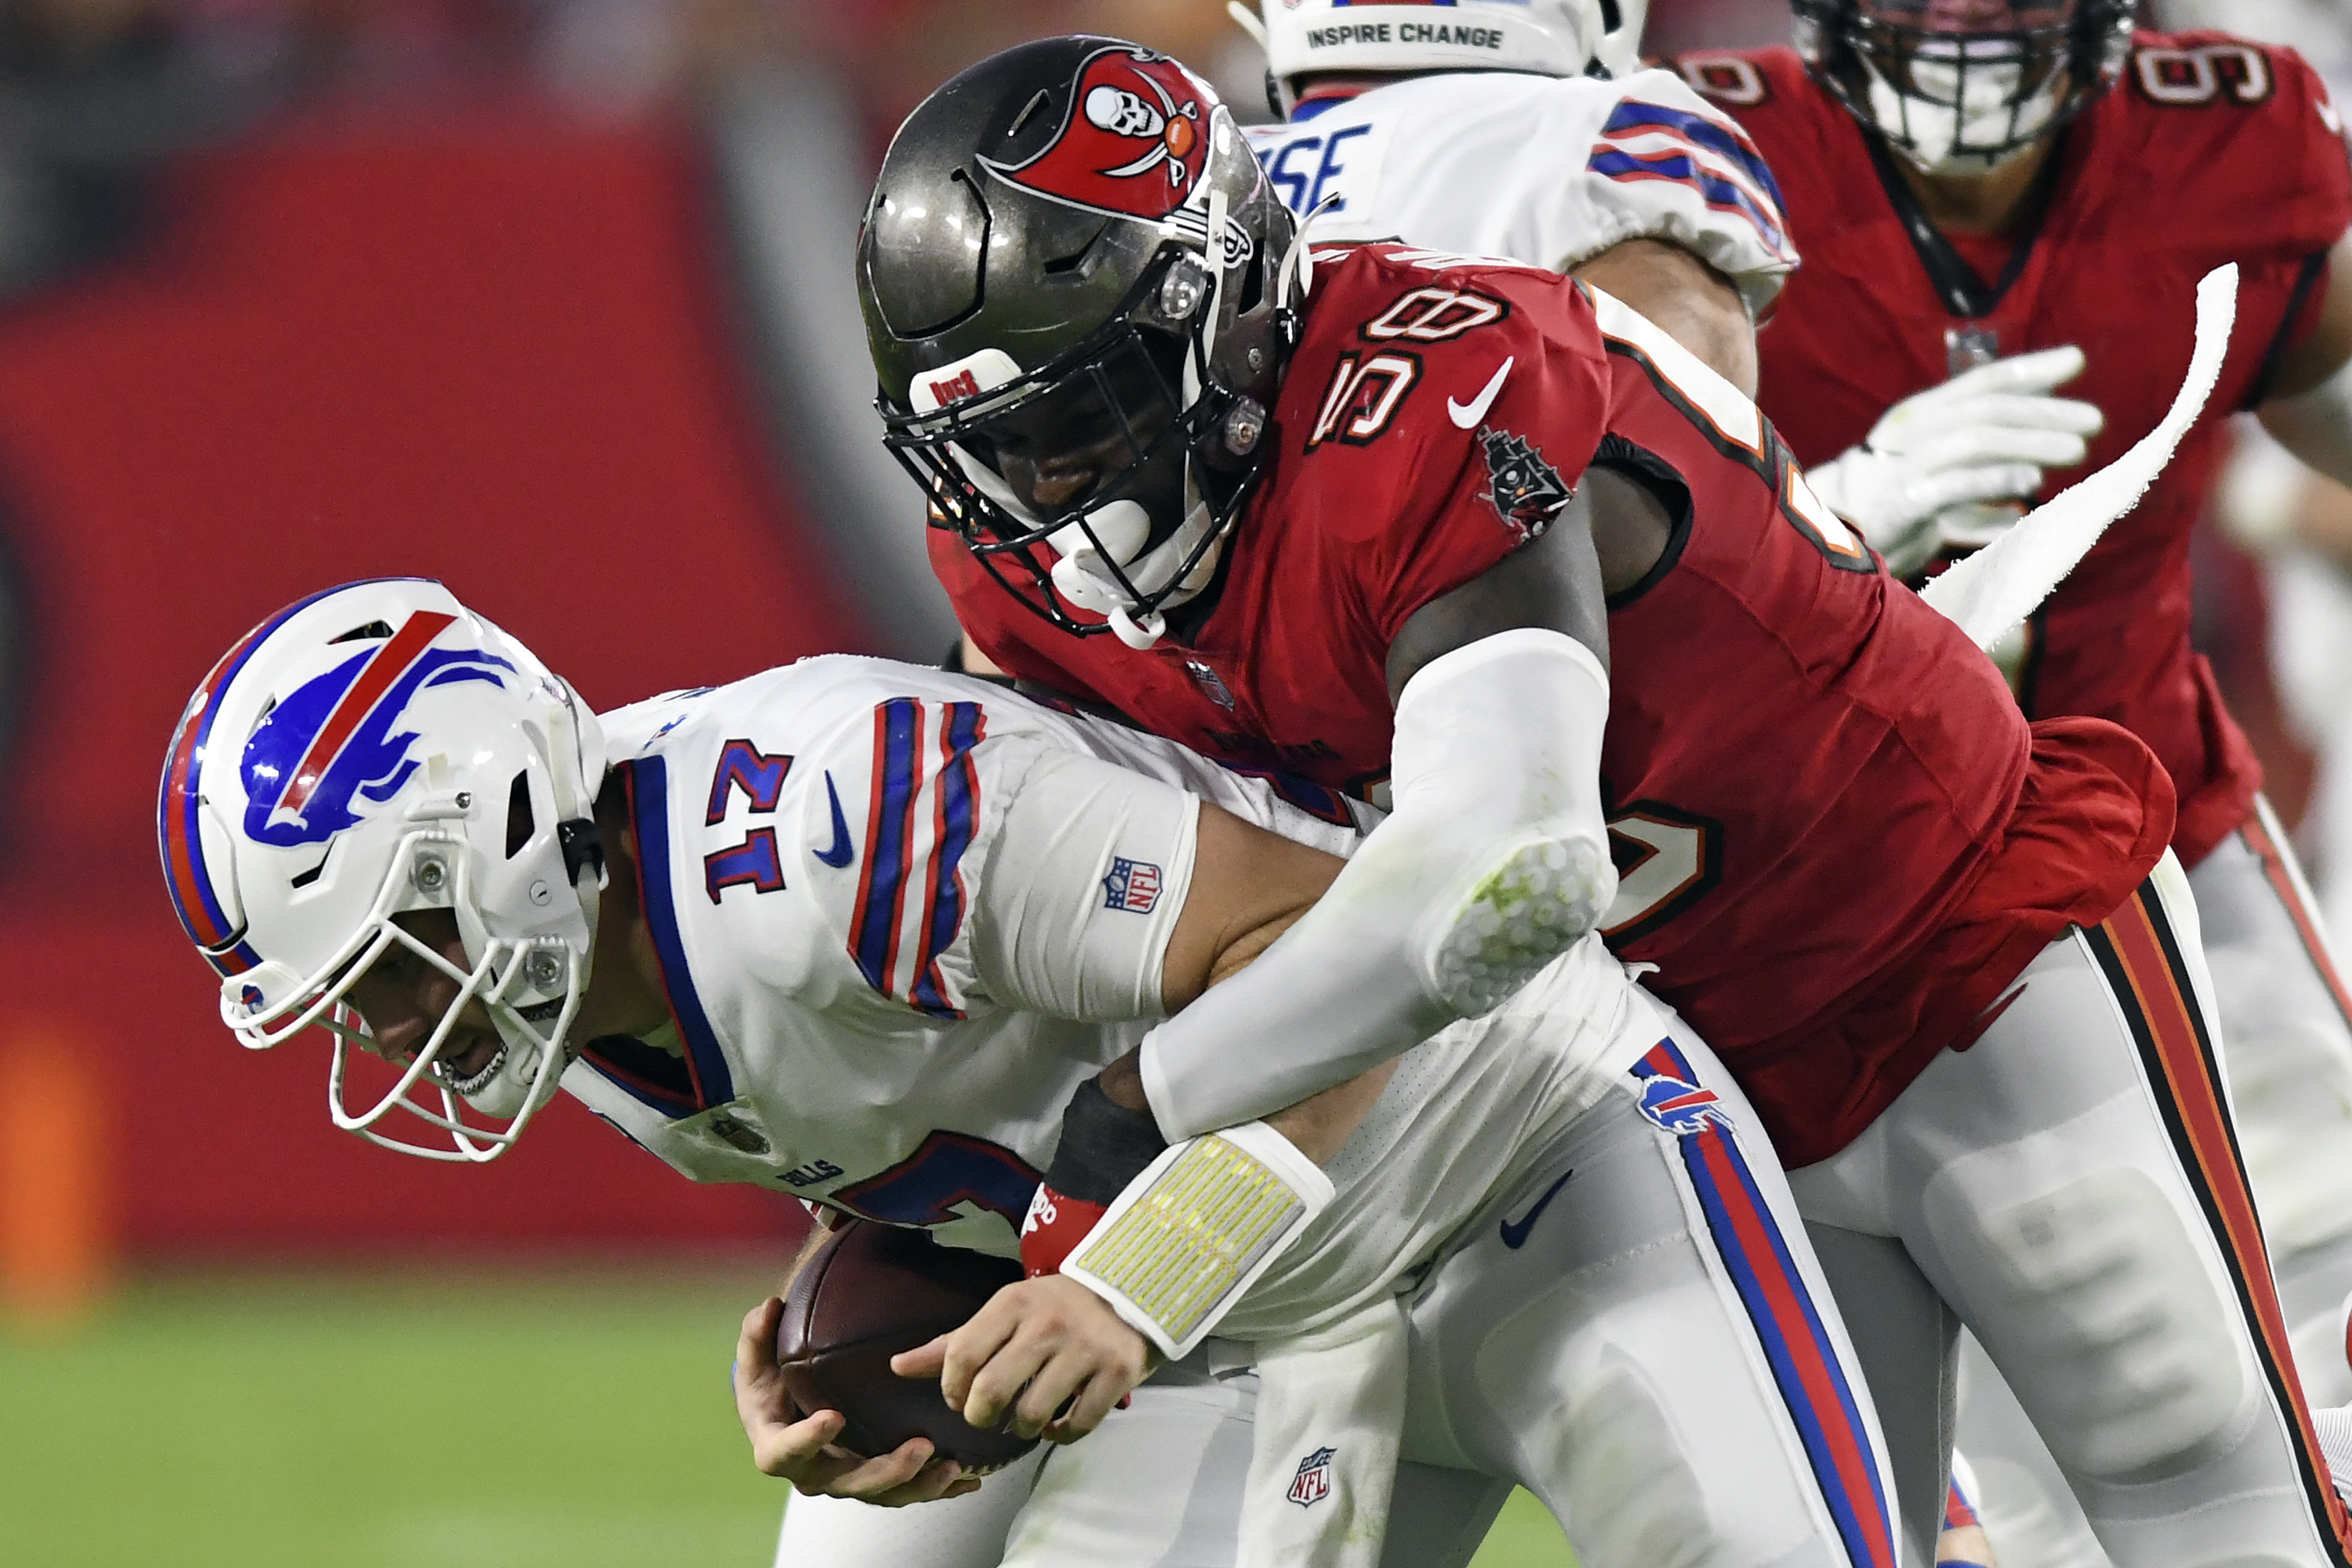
(1495, 862)
(1694, 304)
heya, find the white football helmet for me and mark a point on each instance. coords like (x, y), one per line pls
(1550, 37)
(372, 749)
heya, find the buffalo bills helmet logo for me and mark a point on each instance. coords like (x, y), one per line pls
(1133, 142)
(336, 739)
(1681, 1108)
(1524, 490)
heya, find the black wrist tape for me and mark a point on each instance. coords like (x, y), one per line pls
(1104, 1146)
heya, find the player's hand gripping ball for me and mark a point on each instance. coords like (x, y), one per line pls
(869, 1292)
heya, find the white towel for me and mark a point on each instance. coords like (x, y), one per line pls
(1330, 1411)
(1990, 592)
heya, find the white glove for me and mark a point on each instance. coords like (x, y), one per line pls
(1924, 475)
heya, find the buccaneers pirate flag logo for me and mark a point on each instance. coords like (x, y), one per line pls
(1525, 491)
(1133, 140)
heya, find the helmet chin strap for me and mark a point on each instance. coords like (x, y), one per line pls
(1082, 577)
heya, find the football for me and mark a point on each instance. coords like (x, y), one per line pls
(869, 1292)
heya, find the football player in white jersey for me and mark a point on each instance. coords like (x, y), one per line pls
(861, 933)
(1473, 127)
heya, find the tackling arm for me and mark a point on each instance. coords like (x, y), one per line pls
(1494, 861)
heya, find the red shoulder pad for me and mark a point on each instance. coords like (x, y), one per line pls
(2249, 148)
(1746, 81)
(1440, 410)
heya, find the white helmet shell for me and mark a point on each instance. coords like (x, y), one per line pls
(371, 751)
(1550, 37)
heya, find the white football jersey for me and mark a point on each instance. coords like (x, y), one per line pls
(901, 914)
(1549, 171)
(886, 900)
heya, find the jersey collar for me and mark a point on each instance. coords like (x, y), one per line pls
(1956, 282)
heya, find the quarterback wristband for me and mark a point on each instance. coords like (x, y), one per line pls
(1056, 1224)
(1197, 1229)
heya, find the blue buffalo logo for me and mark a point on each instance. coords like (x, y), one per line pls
(336, 740)
(1682, 1109)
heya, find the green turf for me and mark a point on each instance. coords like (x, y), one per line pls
(404, 1421)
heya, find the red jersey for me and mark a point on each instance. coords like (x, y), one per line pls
(2208, 149)
(1811, 776)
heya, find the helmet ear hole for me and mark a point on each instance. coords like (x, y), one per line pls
(519, 820)
(1252, 290)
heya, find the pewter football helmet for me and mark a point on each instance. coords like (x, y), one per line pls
(1070, 245)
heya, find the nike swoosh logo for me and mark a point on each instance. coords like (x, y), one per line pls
(1467, 415)
(1515, 1235)
(838, 854)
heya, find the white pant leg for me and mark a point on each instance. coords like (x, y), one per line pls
(1903, 1334)
(2287, 1048)
(1158, 1485)
(2068, 1184)
(1642, 1341)
(958, 1532)
(2287, 1043)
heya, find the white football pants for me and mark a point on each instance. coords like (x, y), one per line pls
(2069, 1189)
(1638, 1334)
(2287, 1048)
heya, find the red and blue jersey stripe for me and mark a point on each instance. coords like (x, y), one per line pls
(1804, 1362)
(920, 819)
(1715, 159)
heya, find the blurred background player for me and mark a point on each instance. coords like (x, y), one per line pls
(1994, 200)
(378, 803)
(1399, 547)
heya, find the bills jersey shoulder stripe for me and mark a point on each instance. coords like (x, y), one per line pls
(921, 817)
(1643, 140)
(1471, 162)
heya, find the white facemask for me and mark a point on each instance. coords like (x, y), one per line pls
(1936, 131)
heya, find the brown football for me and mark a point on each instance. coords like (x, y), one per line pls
(869, 1292)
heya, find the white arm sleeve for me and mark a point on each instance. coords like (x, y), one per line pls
(1495, 862)
(1083, 888)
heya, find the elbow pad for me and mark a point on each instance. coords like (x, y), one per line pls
(1495, 862)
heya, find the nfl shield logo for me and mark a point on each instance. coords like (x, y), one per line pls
(1312, 1484)
(1132, 886)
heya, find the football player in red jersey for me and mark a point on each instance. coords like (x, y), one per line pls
(1372, 514)
(1990, 198)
